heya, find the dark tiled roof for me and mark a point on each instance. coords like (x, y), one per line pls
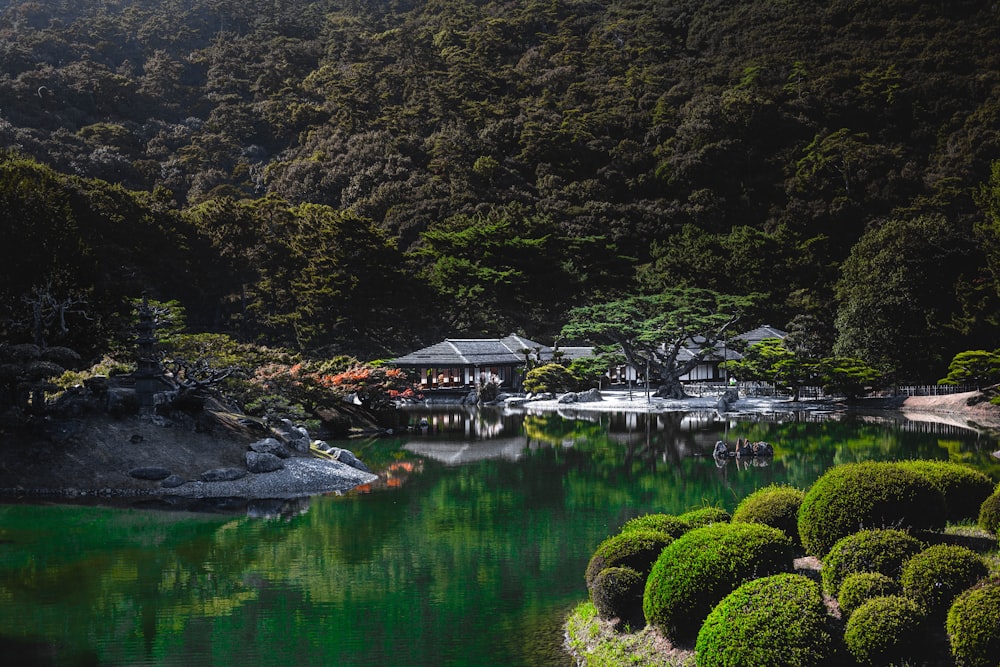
(760, 333)
(454, 352)
(569, 353)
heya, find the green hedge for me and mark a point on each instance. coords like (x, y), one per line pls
(617, 593)
(661, 523)
(776, 506)
(850, 497)
(776, 621)
(887, 630)
(700, 568)
(939, 573)
(972, 626)
(860, 587)
(705, 516)
(963, 488)
(882, 550)
(637, 549)
(989, 514)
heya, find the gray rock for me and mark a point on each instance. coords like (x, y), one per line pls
(260, 462)
(589, 396)
(223, 475)
(271, 446)
(348, 457)
(300, 445)
(292, 430)
(153, 473)
(567, 398)
(98, 384)
(122, 401)
(172, 482)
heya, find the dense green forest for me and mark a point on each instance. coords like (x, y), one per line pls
(365, 176)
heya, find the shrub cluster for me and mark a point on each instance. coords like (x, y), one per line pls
(776, 506)
(728, 581)
(939, 573)
(617, 593)
(887, 630)
(698, 569)
(858, 588)
(775, 621)
(989, 514)
(881, 550)
(972, 626)
(853, 496)
(550, 378)
(963, 488)
(705, 516)
(660, 523)
(637, 549)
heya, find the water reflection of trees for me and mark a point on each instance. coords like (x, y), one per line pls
(473, 551)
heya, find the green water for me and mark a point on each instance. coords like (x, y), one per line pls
(471, 563)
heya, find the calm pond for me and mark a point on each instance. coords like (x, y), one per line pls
(470, 550)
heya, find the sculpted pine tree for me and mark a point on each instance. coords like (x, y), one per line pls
(670, 333)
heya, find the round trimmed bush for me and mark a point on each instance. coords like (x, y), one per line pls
(637, 549)
(884, 551)
(698, 569)
(963, 488)
(853, 496)
(705, 516)
(775, 621)
(860, 587)
(972, 626)
(617, 593)
(661, 523)
(989, 514)
(938, 573)
(776, 506)
(887, 630)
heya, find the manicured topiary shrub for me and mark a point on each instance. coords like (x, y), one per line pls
(882, 550)
(963, 488)
(887, 630)
(775, 621)
(698, 569)
(989, 513)
(853, 496)
(662, 523)
(776, 506)
(860, 587)
(705, 516)
(637, 549)
(972, 626)
(938, 573)
(617, 593)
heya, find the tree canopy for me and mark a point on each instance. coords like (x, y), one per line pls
(670, 333)
(353, 177)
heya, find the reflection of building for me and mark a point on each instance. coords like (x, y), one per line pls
(460, 453)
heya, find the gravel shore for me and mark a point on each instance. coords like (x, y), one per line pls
(300, 477)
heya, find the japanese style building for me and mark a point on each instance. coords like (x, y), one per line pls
(465, 362)
(709, 368)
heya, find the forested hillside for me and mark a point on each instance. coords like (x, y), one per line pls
(364, 176)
